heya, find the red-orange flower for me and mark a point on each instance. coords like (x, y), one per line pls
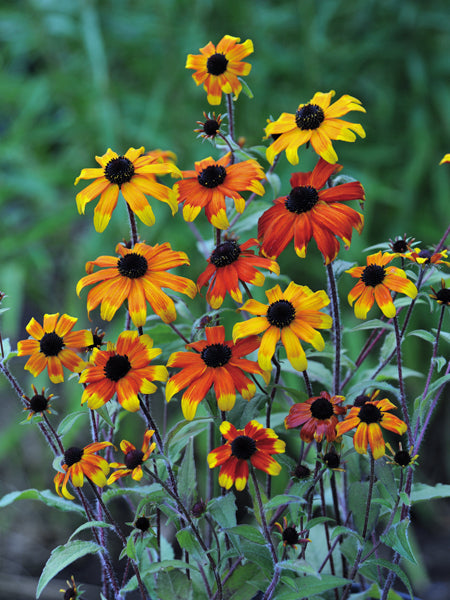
(428, 257)
(38, 403)
(310, 211)
(133, 459)
(214, 362)
(254, 443)
(229, 264)
(212, 182)
(317, 416)
(54, 346)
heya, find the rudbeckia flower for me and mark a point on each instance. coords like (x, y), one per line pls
(138, 275)
(317, 417)
(291, 316)
(310, 211)
(122, 369)
(132, 174)
(254, 443)
(368, 420)
(80, 462)
(374, 285)
(441, 296)
(133, 459)
(290, 535)
(54, 346)
(218, 67)
(214, 362)
(316, 122)
(428, 257)
(229, 264)
(212, 182)
(210, 127)
(38, 403)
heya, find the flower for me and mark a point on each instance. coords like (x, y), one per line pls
(446, 159)
(212, 182)
(367, 419)
(401, 245)
(375, 281)
(122, 369)
(290, 316)
(290, 535)
(254, 442)
(310, 211)
(133, 175)
(133, 459)
(218, 67)
(210, 127)
(137, 275)
(442, 296)
(401, 458)
(72, 590)
(426, 257)
(316, 122)
(54, 346)
(142, 523)
(37, 404)
(229, 264)
(79, 462)
(217, 363)
(317, 417)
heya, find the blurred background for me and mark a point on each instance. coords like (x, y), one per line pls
(79, 76)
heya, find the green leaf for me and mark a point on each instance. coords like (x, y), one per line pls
(342, 530)
(310, 586)
(89, 525)
(275, 183)
(379, 562)
(277, 501)
(223, 510)
(63, 556)
(397, 539)
(372, 324)
(424, 335)
(177, 436)
(249, 533)
(173, 585)
(68, 422)
(45, 496)
(187, 475)
(190, 543)
(422, 491)
(168, 565)
(298, 566)
(152, 492)
(245, 88)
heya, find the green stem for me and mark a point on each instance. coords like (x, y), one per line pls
(336, 328)
(263, 516)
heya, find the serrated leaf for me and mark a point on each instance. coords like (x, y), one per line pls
(173, 586)
(89, 525)
(68, 422)
(372, 324)
(424, 335)
(298, 566)
(223, 510)
(309, 586)
(187, 475)
(422, 491)
(190, 543)
(45, 496)
(177, 436)
(249, 533)
(282, 499)
(397, 539)
(168, 565)
(390, 566)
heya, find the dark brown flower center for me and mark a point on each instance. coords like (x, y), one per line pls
(132, 265)
(443, 295)
(361, 400)
(225, 253)
(211, 127)
(117, 367)
(332, 460)
(290, 536)
(119, 170)
(73, 455)
(281, 313)
(373, 275)
(51, 344)
(302, 472)
(301, 199)
(243, 447)
(217, 64)
(70, 593)
(142, 523)
(402, 458)
(212, 176)
(216, 355)
(369, 413)
(309, 116)
(38, 403)
(133, 458)
(400, 246)
(322, 409)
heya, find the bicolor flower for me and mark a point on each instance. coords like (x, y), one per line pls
(317, 417)
(441, 296)
(134, 459)
(38, 403)
(428, 257)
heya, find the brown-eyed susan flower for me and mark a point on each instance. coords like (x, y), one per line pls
(290, 316)
(122, 369)
(309, 211)
(316, 122)
(212, 182)
(446, 159)
(374, 285)
(137, 275)
(133, 174)
(401, 458)
(210, 127)
(401, 245)
(441, 296)
(72, 591)
(230, 264)
(134, 459)
(290, 535)
(428, 257)
(254, 443)
(214, 362)
(317, 417)
(368, 420)
(81, 462)
(219, 67)
(38, 403)
(54, 345)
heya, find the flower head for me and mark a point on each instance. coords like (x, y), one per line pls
(427, 257)
(137, 275)
(441, 296)
(401, 458)
(374, 285)
(254, 443)
(122, 369)
(38, 404)
(214, 362)
(317, 417)
(218, 67)
(53, 346)
(368, 420)
(72, 591)
(310, 211)
(80, 462)
(291, 537)
(316, 122)
(400, 246)
(212, 182)
(133, 459)
(229, 264)
(290, 316)
(210, 127)
(134, 174)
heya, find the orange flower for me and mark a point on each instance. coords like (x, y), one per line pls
(212, 182)
(133, 459)
(217, 363)
(54, 346)
(316, 122)
(229, 264)
(375, 281)
(254, 443)
(133, 175)
(138, 275)
(218, 67)
(38, 403)
(427, 257)
(310, 211)
(317, 417)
